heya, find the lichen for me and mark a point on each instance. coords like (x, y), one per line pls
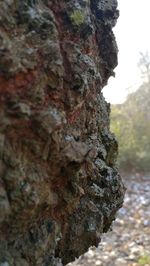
(77, 17)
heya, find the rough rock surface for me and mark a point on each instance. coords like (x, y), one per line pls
(129, 242)
(59, 187)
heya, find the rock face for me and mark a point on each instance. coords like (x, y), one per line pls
(59, 187)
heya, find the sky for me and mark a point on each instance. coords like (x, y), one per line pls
(133, 36)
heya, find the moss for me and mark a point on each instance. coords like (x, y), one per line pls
(144, 260)
(77, 17)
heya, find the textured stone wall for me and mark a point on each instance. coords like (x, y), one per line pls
(59, 187)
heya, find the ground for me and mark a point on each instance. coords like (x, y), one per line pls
(129, 242)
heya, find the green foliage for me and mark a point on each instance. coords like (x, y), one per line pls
(144, 260)
(77, 17)
(131, 124)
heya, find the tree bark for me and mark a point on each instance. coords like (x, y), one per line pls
(59, 185)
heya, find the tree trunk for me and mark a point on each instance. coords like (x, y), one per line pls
(59, 186)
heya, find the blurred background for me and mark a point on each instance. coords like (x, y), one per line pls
(129, 91)
(133, 38)
(129, 94)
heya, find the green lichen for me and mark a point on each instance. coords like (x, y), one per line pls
(77, 17)
(144, 260)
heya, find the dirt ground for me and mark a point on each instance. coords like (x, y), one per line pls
(129, 242)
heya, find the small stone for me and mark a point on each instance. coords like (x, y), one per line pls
(98, 262)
